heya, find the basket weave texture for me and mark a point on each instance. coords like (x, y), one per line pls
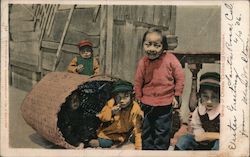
(42, 104)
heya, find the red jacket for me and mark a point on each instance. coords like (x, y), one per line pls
(158, 81)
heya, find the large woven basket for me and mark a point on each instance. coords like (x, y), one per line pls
(42, 104)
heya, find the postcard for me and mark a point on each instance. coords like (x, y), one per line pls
(124, 78)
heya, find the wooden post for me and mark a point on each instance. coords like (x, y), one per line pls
(172, 25)
(193, 100)
(109, 50)
(58, 53)
(103, 34)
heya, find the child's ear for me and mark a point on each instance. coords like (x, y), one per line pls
(133, 95)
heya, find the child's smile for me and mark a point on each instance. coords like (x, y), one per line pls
(153, 45)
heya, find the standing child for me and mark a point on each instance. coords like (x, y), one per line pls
(159, 83)
(84, 64)
(120, 116)
(205, 121)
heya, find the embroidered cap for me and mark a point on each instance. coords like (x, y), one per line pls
(84, 43)
(122, 86)
(210, 79)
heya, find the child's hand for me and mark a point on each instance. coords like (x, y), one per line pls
(80, 146)
(116, 109)
(79, 68)
(200, 137)
(175, 103)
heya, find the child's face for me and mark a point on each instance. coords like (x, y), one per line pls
(123, 99)
(85, 52)
(210, 99)
(75, 103)
(153, 45)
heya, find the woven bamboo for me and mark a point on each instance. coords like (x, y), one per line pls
(42, 104)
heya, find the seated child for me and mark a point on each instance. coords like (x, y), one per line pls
(84, 64)
(69, 121)
(205, 120)
(119, 117)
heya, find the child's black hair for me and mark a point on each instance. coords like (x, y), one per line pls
(89, 48)
(156, 30)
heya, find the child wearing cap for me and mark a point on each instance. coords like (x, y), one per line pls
(119, 117)
(84, 64)
(159, 82)
(205, 120)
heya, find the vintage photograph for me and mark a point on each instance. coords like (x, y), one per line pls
(124, 78)
(144, 77)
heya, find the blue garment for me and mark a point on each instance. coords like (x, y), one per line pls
(105, 143)
(156, 127)
(187, 142)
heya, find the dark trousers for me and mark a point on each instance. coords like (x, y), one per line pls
(156, 127)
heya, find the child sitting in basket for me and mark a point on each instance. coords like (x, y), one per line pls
(70, 121)
(120, 115)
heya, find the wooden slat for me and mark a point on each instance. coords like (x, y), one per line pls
(165, 18)
(24, 58)
(26, 52)
(74, 37)
(148, 14)
(30, 47)
(21, 16)
(140, 13)
(24, 72)
(58, 53)
(21, 26)
(109, 50)
(97, 9)
(86, 6)
(22, 82)
(103, 30)
(52, 20)
(24, 36)
(157, 14)
(22, 65)
(129, 52)
(46, 11)
(50, 14)
(68, 7)
(43, 17)
(116, 12)
(68, 48)
(172, 24)
(82, 22)
(48, 60)
(21, 7)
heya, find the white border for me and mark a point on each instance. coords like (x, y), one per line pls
(6, 151)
